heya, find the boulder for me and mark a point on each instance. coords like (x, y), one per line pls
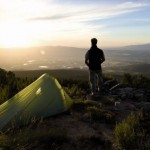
(145, 106)
(117, 86)
(122, 92)
(140, 95)
(126, 93)
(110, 83)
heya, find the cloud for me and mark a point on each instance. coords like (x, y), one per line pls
(53, 17)
(90, 11)
(71, 20)
(50, 20)
(21, 10)
(51, 10)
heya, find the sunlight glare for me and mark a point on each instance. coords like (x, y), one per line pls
(14, 35)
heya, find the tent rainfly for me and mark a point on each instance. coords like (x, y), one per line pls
(42, 98)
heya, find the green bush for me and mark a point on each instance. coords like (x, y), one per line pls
(74, 91)
(107, 76)
(75, 88)
(93, 103)
(101, 115)
(10, 85)
(136, 81)
(126, 132)
(78, 105)
(108, 101)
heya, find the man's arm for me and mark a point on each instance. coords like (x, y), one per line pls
(87, 58)
(103, 58)
(87, 62)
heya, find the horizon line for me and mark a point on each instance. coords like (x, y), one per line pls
(38, 46)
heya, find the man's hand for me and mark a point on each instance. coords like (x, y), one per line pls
(102, 60)
(87, 62)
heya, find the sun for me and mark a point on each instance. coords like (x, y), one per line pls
(14, 35)
(14, 41)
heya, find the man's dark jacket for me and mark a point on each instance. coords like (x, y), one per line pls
(96, 56)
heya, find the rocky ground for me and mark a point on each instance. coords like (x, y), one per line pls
(88, 125)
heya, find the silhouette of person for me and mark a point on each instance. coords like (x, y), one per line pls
(93, 59)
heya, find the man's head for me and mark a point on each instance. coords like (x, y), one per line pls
(94, 41)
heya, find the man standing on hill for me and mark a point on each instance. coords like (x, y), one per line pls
(93, 59)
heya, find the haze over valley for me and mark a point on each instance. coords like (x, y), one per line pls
(133, 59)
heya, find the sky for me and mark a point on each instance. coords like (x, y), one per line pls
(26, 23)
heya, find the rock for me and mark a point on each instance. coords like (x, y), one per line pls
(148, 95)
(139, 97)
(116, 87)
(86, 117)
(110, 83)
(123, 93)
(130, 107)
(126, 93)
(145, 106)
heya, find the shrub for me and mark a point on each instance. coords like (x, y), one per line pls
(136, 81)
(4, 141)
(108, 101)
(107, 76)
(101, 115)
(93, 103)
(32, 139)
(125, 132)
(78, 105)
(10, 85)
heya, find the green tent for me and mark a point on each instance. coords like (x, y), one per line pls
(43, 98)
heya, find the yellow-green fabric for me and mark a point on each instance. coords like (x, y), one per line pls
(43, 98)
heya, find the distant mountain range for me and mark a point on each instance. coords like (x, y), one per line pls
(61, 57)
(136, 47)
